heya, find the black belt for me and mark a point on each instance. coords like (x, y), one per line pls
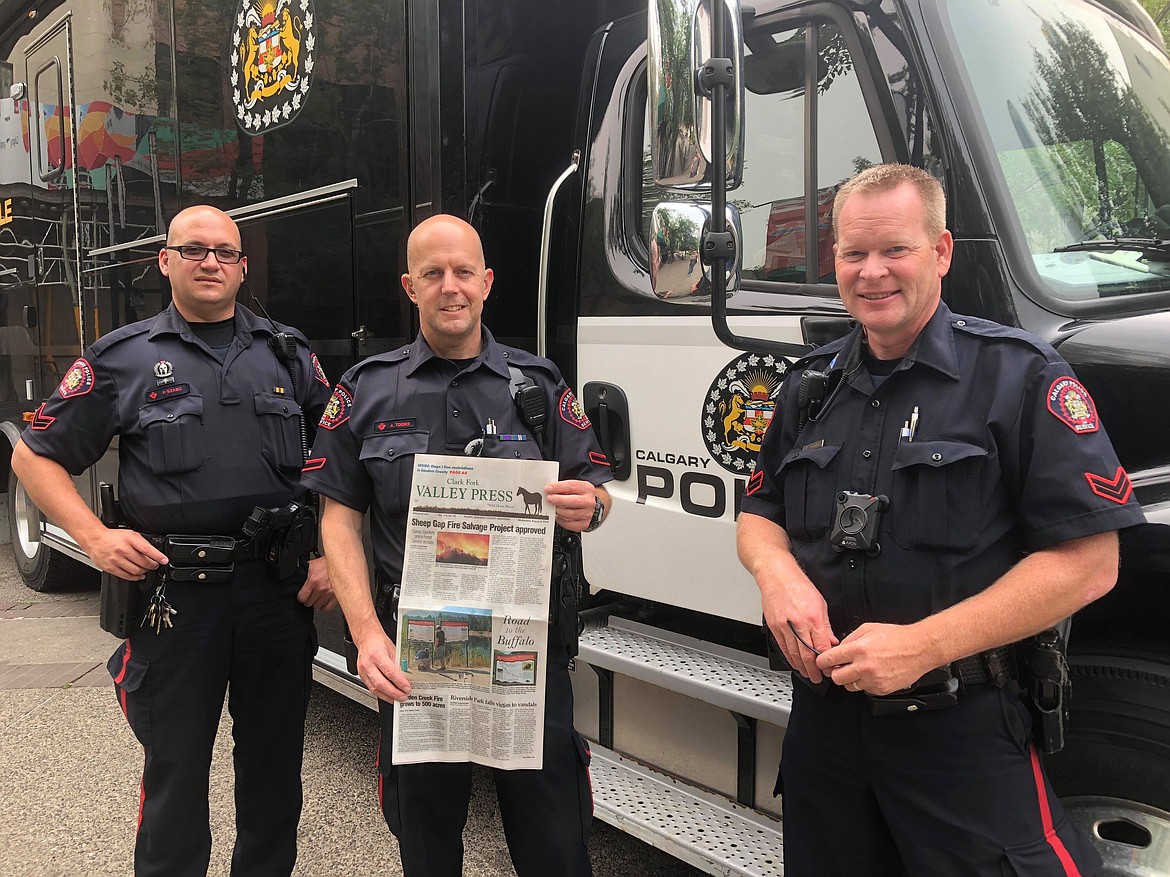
(996, 666)
(195, 550)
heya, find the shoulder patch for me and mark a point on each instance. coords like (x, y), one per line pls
(1117, 489)
(1071, 404)
(77, 381)
(318, 372)
(337, 411)
(572, 412)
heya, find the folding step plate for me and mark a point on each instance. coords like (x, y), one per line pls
(700, 828)
(691, 667)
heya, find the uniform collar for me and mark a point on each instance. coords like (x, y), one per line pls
(171, 322)
(934, 347)
(491, 354)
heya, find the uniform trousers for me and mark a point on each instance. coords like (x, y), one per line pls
(956, 791)
(251, 638)
(547, 813)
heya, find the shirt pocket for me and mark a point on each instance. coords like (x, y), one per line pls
(810, 484)
(389, 460)
(280, 430)
(175, 435)
(937, 495)
(510, 450)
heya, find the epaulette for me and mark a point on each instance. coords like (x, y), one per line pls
(122, 333)
(390, 357)
(981, 328)
(523, 359)
(828, 351)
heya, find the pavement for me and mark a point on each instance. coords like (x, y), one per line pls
(70, 767)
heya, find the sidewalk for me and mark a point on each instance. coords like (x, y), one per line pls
(70, 767)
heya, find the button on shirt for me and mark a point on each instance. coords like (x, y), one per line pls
(1008, 457)
(410, 401)
(201, 442)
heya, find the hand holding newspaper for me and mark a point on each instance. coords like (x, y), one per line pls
(472, 627)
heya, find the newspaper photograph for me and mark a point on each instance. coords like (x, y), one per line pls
(472, 628)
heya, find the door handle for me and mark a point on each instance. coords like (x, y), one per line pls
(606, 406)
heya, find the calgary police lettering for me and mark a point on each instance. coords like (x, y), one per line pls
(271, 62)
(739, 407)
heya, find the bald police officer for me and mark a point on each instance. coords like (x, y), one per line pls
(208, 425)
(950, 492)
(435, 396)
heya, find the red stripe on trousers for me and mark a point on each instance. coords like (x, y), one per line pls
(1054, 841)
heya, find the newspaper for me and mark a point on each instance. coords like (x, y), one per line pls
(473, 612)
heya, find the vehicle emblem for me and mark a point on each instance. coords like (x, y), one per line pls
(738, 409)
(271, 62)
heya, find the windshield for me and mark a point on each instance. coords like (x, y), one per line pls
(1077, 107)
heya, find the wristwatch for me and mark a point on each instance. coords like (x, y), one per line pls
(598, 512)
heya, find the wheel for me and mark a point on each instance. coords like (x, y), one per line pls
(41, 568)
(1113, 776)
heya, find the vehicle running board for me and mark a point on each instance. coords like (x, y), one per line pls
(691, 667)
(699, 827)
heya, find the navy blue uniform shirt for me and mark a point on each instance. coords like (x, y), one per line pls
(201, 442)
(1008, 457)
(410, 401)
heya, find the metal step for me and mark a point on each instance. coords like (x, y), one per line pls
(691, 667)
(701, 828)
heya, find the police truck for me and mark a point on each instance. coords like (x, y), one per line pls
(653, 183)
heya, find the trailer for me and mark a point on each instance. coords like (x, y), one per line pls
(659, 225)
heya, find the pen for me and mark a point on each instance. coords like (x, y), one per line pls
(913, 424)
(904, 432)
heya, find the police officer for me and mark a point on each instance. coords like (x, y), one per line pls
(208, 423)
(948, 492)
(436, 396)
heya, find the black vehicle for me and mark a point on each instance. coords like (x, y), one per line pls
(329, 128)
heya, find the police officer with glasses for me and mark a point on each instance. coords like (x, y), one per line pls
(211, 538)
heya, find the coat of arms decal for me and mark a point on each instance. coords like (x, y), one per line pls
(272, 61)
(738, 410)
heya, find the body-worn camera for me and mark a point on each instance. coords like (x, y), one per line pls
(855, 522)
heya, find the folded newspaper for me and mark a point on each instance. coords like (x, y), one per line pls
(473, 612)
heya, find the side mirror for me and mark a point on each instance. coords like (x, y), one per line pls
(677, 269)
(681, 43)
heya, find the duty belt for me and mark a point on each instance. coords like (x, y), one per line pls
(997, 666)
(206, 558)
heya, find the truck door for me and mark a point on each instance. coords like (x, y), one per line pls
(49, 81)
(695, 409)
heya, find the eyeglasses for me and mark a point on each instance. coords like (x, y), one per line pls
(197, 254)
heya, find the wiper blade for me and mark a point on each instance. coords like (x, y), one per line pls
(1151, 248)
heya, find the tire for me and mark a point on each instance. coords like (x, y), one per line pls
(41, 568)
(1113, 776)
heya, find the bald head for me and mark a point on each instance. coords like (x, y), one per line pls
(203, 289)
(184, 218)
(447, 280)
(440, 230)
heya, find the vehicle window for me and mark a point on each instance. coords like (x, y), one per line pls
(772, 198)
(1075, 113)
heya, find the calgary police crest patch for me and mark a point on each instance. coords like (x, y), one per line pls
(338, 408)
(271, 63)
(318, 372)
(1072, 405)
(77, 381)
(572, 411)
(739, 407)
